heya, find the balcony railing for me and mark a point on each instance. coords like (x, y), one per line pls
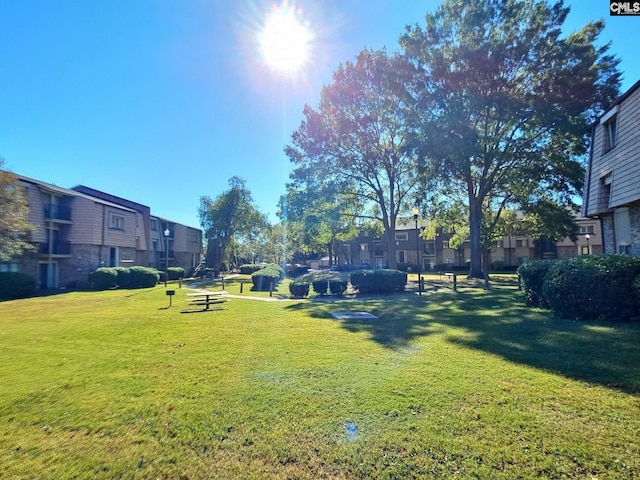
(55, 248)
(57, 212)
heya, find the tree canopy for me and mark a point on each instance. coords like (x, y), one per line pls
(231, 216)
(356, 142)
(503, 103)
(14, 223)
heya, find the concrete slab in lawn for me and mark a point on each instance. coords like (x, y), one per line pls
(353, 316)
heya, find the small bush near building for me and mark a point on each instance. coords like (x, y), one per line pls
(103, 278)
(337, 287)
(269, 275)
(123, 279)
(299, 289)
(143, 277)
(378, 281)
(175, 273)
(16, 285)
(531, 277)
(320, 286)
(592, 287)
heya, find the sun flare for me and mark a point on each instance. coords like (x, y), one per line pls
(285, 40)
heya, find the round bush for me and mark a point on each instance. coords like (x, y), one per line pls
(592, 287)
(175, 273)
(143, 277)
(299, 289)
(337, 287)
(320, 286)
(271, 274)
(531, 277)
(103, 278)
(249, 268)
(17, 285)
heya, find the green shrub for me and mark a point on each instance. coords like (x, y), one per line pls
(531, 277)
(250, 268)
(320, 286)
(17, 285)
(270, 274)
(175, 273)
(143, 277)
(299, 289)
(103, 278)
(592, 287)
(337, 287)
(378, 281)
(123, 279)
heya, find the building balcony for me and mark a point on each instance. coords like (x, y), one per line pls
(57, 212)
(55, 248)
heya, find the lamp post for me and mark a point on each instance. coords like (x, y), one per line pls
(415, 218)
(167, 232)
(587, 236)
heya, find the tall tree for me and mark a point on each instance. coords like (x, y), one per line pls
(356, 142)
(504, 103)
(14, 223)
(231, 215)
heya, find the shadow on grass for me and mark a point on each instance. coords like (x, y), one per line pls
(606, 354)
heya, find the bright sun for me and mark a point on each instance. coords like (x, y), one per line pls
(285, 40)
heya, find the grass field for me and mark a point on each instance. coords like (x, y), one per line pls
(469, 384)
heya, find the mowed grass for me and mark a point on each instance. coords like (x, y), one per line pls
(469, 384)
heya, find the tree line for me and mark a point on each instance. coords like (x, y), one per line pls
(485, 109)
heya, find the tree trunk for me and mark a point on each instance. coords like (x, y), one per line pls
(475, 223)
(391, 248)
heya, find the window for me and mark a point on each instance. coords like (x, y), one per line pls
(402, 236)
(622, 227)
(154, 224)
(378, 251)
(445, 245)
(609, 124)
(8, 267)
(522, 243)
(584, 250)
(429, 248)
(364, 247)
(195, 238)
(116, 222)
(586, 229)
(113, 257)
(500, 244)
(401, 256)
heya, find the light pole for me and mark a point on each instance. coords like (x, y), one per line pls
(415, 218)
(167, 232)
(587, 236)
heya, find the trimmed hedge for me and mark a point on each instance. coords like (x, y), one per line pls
(378, 281)
(143, 277)
(250, 268)
(337, 287)
(591, 287)
(269, 274)
(103, 278)
(320, 286)
(531, 277)
(175, 273)
(299, 289)
(17, 285)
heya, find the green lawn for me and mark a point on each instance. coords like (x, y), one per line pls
(469, 384)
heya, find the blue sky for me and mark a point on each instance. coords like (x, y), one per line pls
(162, 101)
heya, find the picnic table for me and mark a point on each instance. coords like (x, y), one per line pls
(205, 299)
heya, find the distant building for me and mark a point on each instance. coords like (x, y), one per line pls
(78, 230)
(612, 190)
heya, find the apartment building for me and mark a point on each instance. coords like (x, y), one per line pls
(80, 229)
(612, 187)
(438, 254)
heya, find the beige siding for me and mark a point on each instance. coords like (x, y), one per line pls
(36, 211)
(621, 162)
